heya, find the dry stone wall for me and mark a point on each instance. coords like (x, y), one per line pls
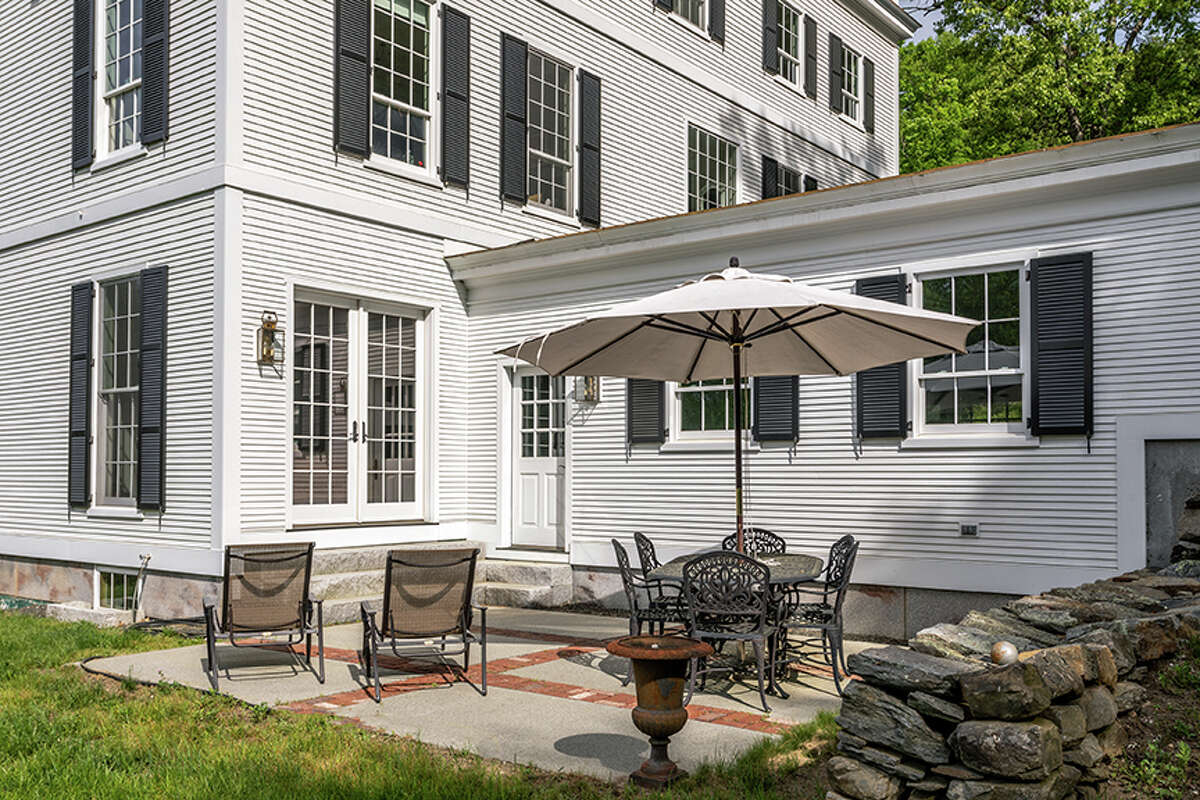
(937, 720)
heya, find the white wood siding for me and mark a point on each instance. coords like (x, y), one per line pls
(286, 244)
(35, 317)
(646, 110)
(36, 180)
(1047, 514)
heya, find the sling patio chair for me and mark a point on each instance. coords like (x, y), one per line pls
(265, 591)
(426, 608)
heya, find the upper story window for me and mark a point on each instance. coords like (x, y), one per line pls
(401, 116)
(791, 47)
(852, 85)
(790, 181)
(704, 409)
(984, 389)
(694, 11)
(712, 170)
(121, 84)
(551, 150)
(120, 345)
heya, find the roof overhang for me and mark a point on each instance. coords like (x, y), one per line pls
(890, 17)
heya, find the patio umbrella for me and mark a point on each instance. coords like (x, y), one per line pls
(701, 329)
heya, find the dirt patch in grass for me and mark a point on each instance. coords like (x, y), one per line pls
(1162, 760)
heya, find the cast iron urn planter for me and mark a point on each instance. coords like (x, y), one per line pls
(660, 665)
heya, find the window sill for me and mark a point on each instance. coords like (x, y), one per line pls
(851, 121)
(691, 28)
(114, 512)
(706, 446)
(119, 157)
(798, 88)
(535, 210)
(969, 441)
(380, 164)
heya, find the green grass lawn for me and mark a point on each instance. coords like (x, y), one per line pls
(65, 734)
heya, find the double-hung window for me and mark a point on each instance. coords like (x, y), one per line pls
(401, 94)
(120, 44)
(704, 409)
(120, 337)
(791, 44)
(852, 85)
(712, 170)
(551, 148)
(791, 181)
(983, 390)
(693, 11)
(357, 412)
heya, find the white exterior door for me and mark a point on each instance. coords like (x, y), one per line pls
(539, 474)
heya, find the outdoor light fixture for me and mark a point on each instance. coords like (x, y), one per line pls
(587, 389)
(270, 340)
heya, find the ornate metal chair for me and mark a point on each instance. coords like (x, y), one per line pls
(729, 599)
(650, 601)
(820, 610)
(646, 554)
(759, 541)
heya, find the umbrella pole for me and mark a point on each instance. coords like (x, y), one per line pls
(737, 433)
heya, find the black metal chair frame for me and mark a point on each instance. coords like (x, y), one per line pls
(820, 610)
(311, 618)
(716, 613)
(661, 606)
(460, 637)
(759, 541)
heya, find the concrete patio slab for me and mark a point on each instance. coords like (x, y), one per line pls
(550, 732)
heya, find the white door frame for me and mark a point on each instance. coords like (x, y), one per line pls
(506, 456)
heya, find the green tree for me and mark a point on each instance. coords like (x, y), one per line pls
(1002, 78)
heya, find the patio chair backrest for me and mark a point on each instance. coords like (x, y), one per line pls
(756, 540)
(646, 554)
(428, 592)
(726, 593)
(841, 564)
(628, 581)
(266, 587)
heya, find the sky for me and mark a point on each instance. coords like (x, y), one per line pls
(928, 21)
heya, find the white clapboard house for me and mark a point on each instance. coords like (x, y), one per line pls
(257, 264)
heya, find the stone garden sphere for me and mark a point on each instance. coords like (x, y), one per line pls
(1004, 653)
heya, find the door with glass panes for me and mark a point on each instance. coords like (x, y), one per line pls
(356, 413)
(540, 406)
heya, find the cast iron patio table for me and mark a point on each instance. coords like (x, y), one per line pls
(787, 570)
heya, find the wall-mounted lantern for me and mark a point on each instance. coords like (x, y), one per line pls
(587, 389)
(270, 340)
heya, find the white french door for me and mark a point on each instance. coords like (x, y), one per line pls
(357, 413)
(540, 405)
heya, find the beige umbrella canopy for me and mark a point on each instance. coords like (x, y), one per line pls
(699, 330)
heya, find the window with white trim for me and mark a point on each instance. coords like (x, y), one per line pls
(551, 148)
(983, 390)
(712, 170)
(791, 44)
(852, 86)
(120, 81)
(791, 181)
(116, 589)
(694, 12)
(704, 409)
(357, 411)
(117, 421)
(401, 93)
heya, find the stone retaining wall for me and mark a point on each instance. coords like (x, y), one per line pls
(938, 719)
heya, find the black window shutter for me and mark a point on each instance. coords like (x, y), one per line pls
(716, 20)
(810, 57)
(868, 94)
(80, 404)
(514, 145)
(882, 393)
(770, 36)
(776, 408)
(589, 148)
(665, 5)
(835, 73)
(352, 77)
(81, 85)
(810, 183)
(456, 97)
(156, 25)
(770, 177)
(645, 411)
(1061, 350)
(152, 388)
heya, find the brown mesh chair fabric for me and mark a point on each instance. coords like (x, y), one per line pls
(265, 589)
(428, 592)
